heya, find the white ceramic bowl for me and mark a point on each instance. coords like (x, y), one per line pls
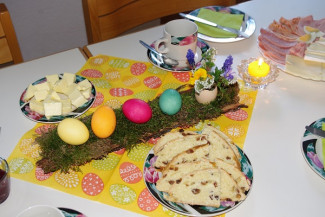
(41, 211)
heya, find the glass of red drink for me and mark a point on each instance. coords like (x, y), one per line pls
(4, 180)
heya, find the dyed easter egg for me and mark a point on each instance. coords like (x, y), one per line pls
(137, 111)
(170, 102)
(103, 121)
(73, 131)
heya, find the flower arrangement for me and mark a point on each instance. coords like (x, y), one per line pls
(206, 75)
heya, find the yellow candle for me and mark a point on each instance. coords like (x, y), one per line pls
(258, 68)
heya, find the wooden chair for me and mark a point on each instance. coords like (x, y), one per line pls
(9, 47)
(107, 19)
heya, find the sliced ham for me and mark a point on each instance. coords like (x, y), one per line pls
(277, 39)
(293, 24)
(282, 29)
(271, 55)
(272, 47)
(299, 49)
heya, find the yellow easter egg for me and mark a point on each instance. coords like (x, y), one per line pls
(73, 131)
(103, 121)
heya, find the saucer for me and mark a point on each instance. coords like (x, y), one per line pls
(183, 66)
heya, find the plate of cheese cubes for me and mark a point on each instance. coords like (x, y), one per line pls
(58, 96)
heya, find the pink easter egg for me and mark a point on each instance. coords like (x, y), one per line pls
(130, 173)
(119, 92)
(137, 111)
(40, 175)
(91, 73)
(152, 82)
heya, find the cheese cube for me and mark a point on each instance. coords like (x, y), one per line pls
(61, 86)
(52, 107)
(86, 93)
(29, 92)
(54, 96)
(42, 86)
(77, 99)
(84, 85)
(41, 95)
(69, 78)
(66, 106)
(52, 79)
(36, 106)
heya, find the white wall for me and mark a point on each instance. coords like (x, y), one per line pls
(44, 27)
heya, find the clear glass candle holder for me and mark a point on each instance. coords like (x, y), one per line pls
(4, 180)
(257, 82)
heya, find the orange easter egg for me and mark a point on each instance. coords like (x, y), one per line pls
(103, 121)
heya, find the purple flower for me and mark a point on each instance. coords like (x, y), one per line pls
(190, 58)
(226, 68)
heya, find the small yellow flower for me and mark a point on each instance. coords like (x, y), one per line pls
(200, 73)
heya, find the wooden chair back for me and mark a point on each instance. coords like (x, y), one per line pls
(9, 47)
(107, 19)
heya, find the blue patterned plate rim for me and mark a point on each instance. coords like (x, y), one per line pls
(189, 210)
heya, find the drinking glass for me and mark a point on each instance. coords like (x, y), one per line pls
(4, 180)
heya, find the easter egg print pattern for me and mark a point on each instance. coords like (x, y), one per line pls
(112, 75)
(20, 166)
(138, 68)
(40, 175)
(239, 115)
(92, 184)
(152, 82)
(99, 100)
(182, 76)
(131, 81)
(170, 86)
(146, 202)
(101, 83)
(68, 180)
(145, 95)
(157, 71)
(91, 73)
(98, 61)
(118, 63)
(140, 152)
(234, 131)
(108, 163)
(122, 194)
(120, 92)
(28, 148)
(114, 103)
(130, 173)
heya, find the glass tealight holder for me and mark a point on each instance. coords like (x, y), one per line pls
(253, 81)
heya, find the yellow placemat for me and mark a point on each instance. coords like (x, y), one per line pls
(117, 180)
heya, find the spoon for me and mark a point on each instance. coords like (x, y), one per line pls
(162, 58)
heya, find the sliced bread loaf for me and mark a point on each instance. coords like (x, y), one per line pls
(176, 146)
(197, 188)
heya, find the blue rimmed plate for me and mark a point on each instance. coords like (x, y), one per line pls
(185, 209)
(34, 116)
(311, 147)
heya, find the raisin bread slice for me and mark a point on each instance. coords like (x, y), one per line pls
(210, 129)
(197, 188)
(176, 146)
(171, 136)
(220, 147)
(229, 189)
(174, 174)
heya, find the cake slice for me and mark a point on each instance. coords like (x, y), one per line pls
(171, 136)
(176, 146)
(229, 189)
(197, 188)
(175, 173)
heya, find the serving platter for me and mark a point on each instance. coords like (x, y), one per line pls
(202, 47)
(248, 24)
(193, 210)
(34, 116)
(311, 147)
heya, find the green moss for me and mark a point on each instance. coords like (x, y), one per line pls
(57, 155)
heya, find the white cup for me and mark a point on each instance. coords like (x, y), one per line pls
(41, 211)
(179, 36)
